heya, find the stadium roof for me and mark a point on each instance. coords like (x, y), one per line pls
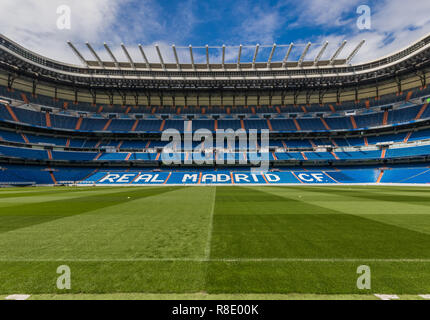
(209, 65)
(250, 74)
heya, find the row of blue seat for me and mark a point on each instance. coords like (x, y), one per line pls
(19, 174)
(25, 175)
(144, 144)
(315, 107)
(367, 120)
(35, 154)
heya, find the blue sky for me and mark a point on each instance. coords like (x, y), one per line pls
(395, 24)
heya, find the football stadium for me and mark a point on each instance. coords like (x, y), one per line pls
(170, 174)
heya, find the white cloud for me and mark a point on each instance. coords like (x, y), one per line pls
(258, 23)
(260, 28)
(32, 23)
(395, 25)
(323, 13)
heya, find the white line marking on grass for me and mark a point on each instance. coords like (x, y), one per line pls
(316, 260)
(18, 297)
(425, 296)
(387, 296)
(218, 260)
(210, 227)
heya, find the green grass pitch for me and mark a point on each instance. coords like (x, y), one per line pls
(225, 241)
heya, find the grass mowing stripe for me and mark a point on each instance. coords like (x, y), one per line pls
(26, 215)
(4, 196)
(210, 226)
(60, 194)
(225, 277)
(171, 224)
(313, 235)
(103, 277)
(290, 244)
(406, 215)
(316, 277)
(84, 203)
(379, 195)
(6, 193)
(260, 243)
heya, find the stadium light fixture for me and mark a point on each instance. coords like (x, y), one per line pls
(302, 57)
(254, 59)
(271, 55)
(95, 54)
(142, 52)
(160, 56)
(336, 54)
(77, 53)
(355, 51)
(287, 55)
(318, 57)
(128, 56)
(111, 55)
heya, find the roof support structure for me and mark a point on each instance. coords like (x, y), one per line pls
(192, 56)
(160, 56)
(318, 57)
(95, 54)
(321, 94)
(93, 96)
(176, 57)
(76, 95)
(422, 76)
(111, 55)
(128, 56)
(308, 95)
(302, 57)
(271, 55)
(399, 84)
(123, 96)
(239, 56)
(207, 57)
(10, 79)
(136, 98)
(34, 87)
(223, 56)
(254, 59)
(77, 53)
(142, 52)
(287, 55)
(355, 51)
(338, 51)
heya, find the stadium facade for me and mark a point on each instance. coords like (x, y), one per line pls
(328, 121)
